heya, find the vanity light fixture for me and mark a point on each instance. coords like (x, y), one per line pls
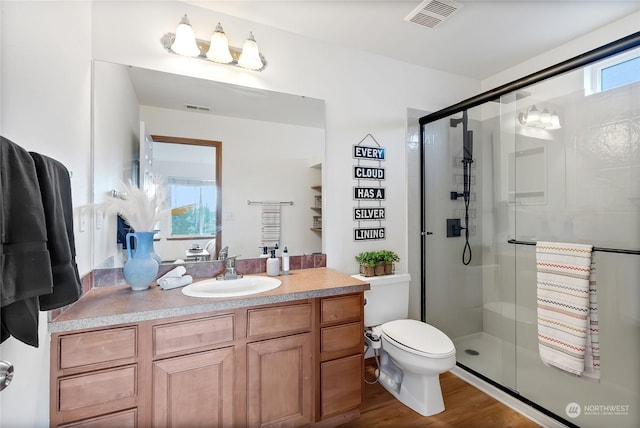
(534, 118)
(219, 47)
(184, 42)
(250, 57)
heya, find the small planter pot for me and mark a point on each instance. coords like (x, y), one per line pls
(367, 270)
(388, 268)
(379, 269)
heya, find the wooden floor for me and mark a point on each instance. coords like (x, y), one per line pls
(465, 406)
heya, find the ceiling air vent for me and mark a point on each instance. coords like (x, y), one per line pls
(196, 107)
(432, 13)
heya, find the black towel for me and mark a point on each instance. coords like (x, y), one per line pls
(25, 264)
(55, 188)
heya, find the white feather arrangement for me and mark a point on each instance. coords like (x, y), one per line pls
(139, 208)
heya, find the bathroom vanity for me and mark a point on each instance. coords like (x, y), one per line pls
(292, 356)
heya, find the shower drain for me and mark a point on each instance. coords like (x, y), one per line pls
(472, 352)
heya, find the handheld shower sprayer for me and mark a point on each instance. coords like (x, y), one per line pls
(467, 160)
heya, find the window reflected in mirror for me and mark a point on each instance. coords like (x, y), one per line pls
(192, 170)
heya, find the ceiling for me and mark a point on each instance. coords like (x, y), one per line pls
(177, 92)
(479, 40)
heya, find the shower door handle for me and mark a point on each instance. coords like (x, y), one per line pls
(427, 233)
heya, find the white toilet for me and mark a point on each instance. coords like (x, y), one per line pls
(413, 353)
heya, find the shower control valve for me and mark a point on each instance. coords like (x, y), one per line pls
(455, 195)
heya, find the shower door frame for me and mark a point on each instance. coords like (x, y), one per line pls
(629, 42)
(624, 44)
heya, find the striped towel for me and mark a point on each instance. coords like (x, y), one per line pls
(567, 308)
(270, 224)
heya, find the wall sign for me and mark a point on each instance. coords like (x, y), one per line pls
(369, 192)
(368, 233)
(364, 152)
(364, 214)
(368, 173)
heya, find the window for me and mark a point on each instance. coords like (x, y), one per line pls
(620, 70)
(192, 169)
(620, 74)
(193, 207)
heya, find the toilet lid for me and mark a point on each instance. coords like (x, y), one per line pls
(419, 336)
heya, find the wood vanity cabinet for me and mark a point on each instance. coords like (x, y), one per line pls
(291, 364)
(341, 360)
(94, 378)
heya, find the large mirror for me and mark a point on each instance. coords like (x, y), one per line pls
(270, 147)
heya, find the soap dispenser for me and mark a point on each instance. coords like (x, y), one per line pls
(264, 254)
(273, 265)
(285, 261)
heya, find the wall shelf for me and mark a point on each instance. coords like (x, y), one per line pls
(317, 207)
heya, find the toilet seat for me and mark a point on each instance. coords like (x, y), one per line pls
(418, 338)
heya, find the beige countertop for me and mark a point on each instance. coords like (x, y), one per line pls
(105, 306)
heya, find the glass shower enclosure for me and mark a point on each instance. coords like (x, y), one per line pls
(552, 157)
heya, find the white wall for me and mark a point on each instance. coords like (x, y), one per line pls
(46, 89)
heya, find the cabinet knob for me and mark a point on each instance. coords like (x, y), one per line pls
(6, 374)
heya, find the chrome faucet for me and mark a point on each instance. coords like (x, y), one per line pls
(229, 271)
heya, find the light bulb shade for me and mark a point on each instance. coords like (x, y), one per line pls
(185, 40)
(250, 56)
(219, 47)
(545, 118)
(533, 116)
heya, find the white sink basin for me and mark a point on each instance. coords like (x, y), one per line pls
(231, 287)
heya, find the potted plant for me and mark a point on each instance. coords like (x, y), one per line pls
(367, 261)
(375, 263)
(379, 269)
(388, 258)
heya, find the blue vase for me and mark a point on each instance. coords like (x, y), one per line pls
(155, 255)
(141, 268)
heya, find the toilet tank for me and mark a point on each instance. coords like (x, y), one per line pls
(388, 298)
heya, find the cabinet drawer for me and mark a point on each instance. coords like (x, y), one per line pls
(344, 308)
(282, 319)
(82, 349)
(341, 338)
(96, 388)
(126, 419)
(186, 335)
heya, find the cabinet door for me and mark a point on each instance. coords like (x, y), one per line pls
(194, 390)
(341, 385)
(279, 387)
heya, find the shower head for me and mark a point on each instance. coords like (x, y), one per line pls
(454, 122)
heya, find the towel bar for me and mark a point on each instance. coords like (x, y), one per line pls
(601, 249)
